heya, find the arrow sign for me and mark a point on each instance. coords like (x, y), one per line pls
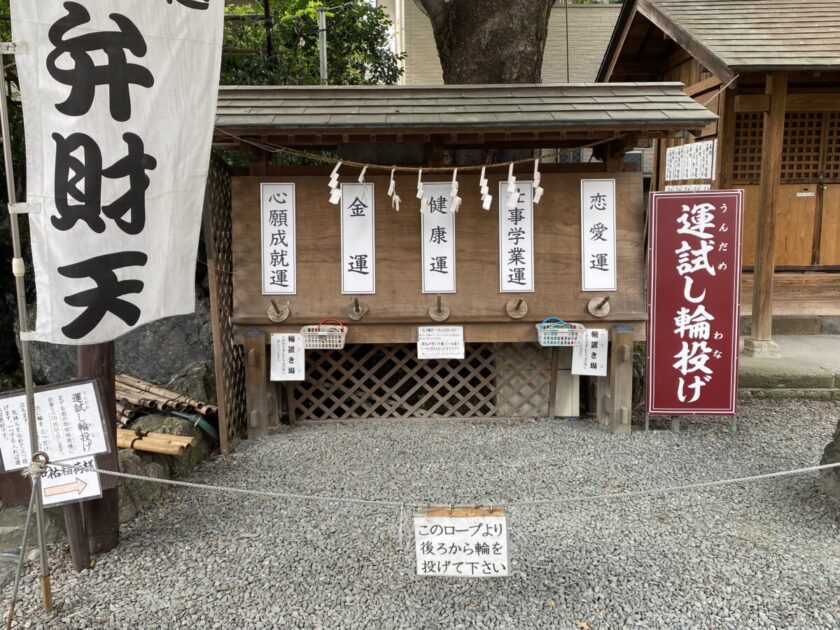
(64, 485)
(65, 488)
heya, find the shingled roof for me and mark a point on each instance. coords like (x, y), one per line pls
(730, 36)
(325, 109)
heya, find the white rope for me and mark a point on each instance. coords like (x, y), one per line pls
(722, 88)
(384, 502)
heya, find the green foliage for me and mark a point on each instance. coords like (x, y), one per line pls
(358, 46)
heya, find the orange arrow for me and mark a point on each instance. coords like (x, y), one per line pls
(77, 485)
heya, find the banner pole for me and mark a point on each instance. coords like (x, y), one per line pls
(18, 271)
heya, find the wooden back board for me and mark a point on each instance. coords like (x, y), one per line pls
(399, 304)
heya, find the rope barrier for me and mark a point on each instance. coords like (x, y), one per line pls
(402, 503)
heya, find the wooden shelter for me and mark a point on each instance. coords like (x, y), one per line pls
(770, 69)
(377, 374)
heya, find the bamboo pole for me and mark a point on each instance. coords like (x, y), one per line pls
(154, 442)
(129, 382)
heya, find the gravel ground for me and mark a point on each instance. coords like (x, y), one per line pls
(764, 555)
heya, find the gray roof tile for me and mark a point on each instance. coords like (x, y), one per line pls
(646, 105)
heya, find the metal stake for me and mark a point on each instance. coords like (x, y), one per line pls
(46, 592)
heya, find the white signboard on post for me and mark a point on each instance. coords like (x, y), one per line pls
(119, 101)
(470, 543)
(598, 234)
(440, 342)
(590, 357)
(69, 422)
(438, 239)
(516, 239)
(278, 227)
(358, 242)
(65, 485)
(288, 357)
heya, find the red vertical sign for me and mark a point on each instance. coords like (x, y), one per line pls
(694, 267)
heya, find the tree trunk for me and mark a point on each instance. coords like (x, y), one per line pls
(489, 41)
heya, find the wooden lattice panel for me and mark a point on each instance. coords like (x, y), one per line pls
(523, 380)
(388, 381)
(801, 146)
(746, 160)
(231, 396)
(832, 151)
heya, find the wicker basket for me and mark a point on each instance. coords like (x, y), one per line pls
(328, 334)
(553, 331)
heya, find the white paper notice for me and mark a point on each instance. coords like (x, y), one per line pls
(440, 342)
(598, 234)
(69, 425)
(462, 546)
(438, 234)
(288, 357)
(691, 161)
(62, 485)
(516, 239)
(358, 247)
(279, 247)
(590, 357)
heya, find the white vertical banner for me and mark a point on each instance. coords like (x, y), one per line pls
(438, 238)
(516, 239)
(358, 241)
(598, 234)
(119, 101)
(279, 239)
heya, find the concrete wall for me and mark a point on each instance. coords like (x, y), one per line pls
(590, 28)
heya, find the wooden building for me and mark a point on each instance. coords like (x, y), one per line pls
(505, 373)
(770, 70)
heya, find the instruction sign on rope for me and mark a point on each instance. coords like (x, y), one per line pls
(440, 342)
(70, 425)
(471, 543)
(63, 485)
(288, 357)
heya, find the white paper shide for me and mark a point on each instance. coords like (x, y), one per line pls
(516, 238)
(119, 103)
(358, 243)
(278, 229)
(438, 238)
(597, 235)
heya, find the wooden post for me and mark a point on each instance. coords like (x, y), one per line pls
(552, 383)
(760, 342)
(256, 383)
(76, 536)
(621, 379)
(603, 402)
(102, 516)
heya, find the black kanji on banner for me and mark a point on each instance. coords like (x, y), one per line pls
(81, 181)
(85, 75)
